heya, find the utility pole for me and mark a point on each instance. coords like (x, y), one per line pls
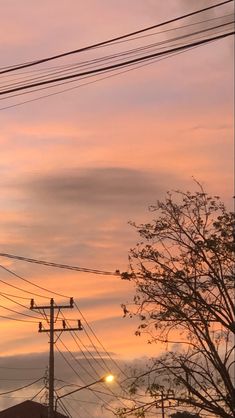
(162, 404)
(52, 307)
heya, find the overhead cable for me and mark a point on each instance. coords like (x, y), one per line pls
(38, 393)
(19, 304)
(15, 296)
(74, 370)
(98, 340)
(118, 65)
(22, 75)
(118, 73)
(100, 361)
(99, 44)
(22, 387)
(112, 57)
(22, 368)
(19, 320)
(19, 313)
(20, 288)
(33, 284)
(57, 265)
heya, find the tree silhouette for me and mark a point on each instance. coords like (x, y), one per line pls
(183, 272)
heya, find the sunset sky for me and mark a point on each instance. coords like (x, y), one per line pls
(77, 167)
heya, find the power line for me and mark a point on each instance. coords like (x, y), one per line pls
(98, 340)
(21, 289)
(109, 41)
(101, 362)
(26, 307)
(22, 368)
(19, 313)
(33, 284)
(74, 370)
(50, 69)
(64, 409)
(134, 67)
(130, 67)
(15, 397)
(99, 391)
(38, 393)
(20, 304)
(75, 411)
(22, 387)
(15, 296)
(118, 65)
(75, 338)
(113, 57)
(95, 392)
(77, 400)
(57, 265)
(16, 319)
(84, 355)
(107, 368)
(16, 380)
(81, 366)
(175, 28)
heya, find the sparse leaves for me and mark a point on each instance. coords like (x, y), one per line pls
(183, 270)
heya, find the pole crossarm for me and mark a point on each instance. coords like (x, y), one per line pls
(33, 307)
(79, 328)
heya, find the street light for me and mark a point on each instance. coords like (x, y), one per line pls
(108, 378)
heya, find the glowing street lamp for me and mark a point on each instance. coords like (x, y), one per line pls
(108, 378)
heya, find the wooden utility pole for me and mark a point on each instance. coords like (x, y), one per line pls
(162, 404)
(52, 307)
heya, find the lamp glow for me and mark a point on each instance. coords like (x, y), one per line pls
(109, 378)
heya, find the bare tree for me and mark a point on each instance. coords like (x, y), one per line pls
(183, 271)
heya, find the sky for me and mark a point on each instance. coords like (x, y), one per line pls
(77, 167)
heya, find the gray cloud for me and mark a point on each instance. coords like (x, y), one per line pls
(93, 204)
(112, 186)
(32, 366)
(85, 212)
